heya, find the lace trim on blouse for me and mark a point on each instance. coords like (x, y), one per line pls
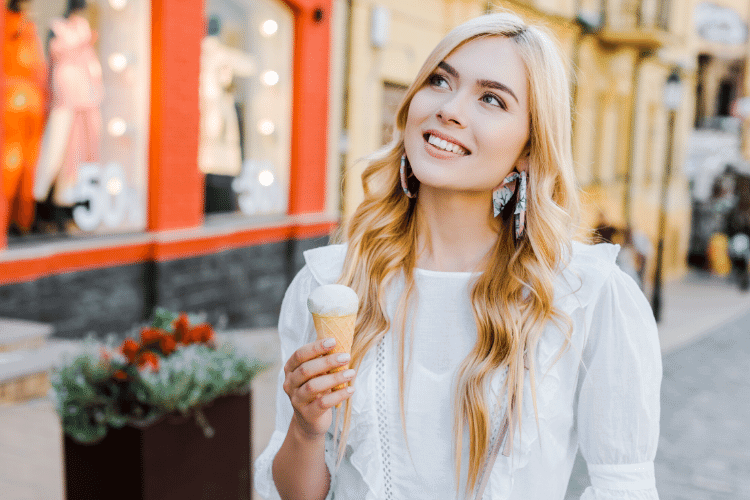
(385, 446)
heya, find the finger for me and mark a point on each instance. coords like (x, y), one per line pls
(334, 398)
(308, 352)
(322, 385)
(317, 367)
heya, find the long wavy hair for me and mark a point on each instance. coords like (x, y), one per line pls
(512, 298)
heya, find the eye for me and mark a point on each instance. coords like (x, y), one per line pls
(492, 99)
(437, 80)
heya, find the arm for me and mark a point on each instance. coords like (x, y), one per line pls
(618, 404)
(293, 464)
(299, 469)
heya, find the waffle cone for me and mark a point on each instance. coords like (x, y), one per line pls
(342, 329)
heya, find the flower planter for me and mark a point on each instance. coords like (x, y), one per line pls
(171, 459)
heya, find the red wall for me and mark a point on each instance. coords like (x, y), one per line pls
(175, 183)
(307, 190)
(3, 203)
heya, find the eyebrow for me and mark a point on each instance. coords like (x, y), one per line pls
(492, 84)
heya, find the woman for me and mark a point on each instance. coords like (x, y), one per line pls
(487, 349)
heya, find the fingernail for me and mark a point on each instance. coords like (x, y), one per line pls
(329, 342)
(350, 389)
(349, 373)
(342, 358)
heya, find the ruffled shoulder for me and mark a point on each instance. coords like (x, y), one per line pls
(325, 263)
(584, 272)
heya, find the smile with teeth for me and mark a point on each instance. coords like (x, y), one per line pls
(445, 145)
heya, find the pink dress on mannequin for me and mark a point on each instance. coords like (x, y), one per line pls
(77, 93)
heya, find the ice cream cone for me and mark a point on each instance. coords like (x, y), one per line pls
(334, 312)
(342, 329)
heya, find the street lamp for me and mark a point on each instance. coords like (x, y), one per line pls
(671, 98)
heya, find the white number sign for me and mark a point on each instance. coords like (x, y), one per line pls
(110, 200)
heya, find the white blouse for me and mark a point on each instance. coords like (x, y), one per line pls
(602, 395)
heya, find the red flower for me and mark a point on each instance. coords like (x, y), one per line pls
(151, 335)
(202, 333)
(181, 328)
(120, 375)
(167, 344)
(150, 359)
(130, 349)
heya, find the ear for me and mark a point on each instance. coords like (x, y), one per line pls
(522, 165)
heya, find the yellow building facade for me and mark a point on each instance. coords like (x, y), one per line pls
(621, 54)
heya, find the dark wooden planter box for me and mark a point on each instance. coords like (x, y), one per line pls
(171, 459)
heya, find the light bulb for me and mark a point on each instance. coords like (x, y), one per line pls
(266, 127)
(117, 127)
(270, 78)
(269, 27)
(118, 4)
(265, 177)
(117, 62)
(114, 186)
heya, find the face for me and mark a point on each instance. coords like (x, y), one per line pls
(468, 125)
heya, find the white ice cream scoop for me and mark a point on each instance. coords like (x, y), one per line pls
(333, 300)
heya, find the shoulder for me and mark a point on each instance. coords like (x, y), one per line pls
(584, 271)
(325, 263)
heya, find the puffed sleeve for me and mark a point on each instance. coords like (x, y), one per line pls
(295, 330)
(618, 403)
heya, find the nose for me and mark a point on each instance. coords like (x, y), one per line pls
(451, 111)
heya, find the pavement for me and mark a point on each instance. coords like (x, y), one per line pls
(704, 449)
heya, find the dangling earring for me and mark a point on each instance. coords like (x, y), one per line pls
(519, 215)
(404, 185)
(515, 181)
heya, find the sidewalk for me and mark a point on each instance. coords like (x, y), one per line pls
(30, 435)
(696, 304)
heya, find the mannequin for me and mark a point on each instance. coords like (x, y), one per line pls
(74, 127)
(23, 113)
(220, 151)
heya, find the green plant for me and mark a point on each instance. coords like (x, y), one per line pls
(174, 367)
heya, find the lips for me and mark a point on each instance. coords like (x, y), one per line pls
(445, 143)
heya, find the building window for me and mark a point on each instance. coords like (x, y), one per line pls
(393, 94)
(246, 105)
(89, 168)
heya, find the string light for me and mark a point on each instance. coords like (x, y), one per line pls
(266, 127)
(114, 186)
(269, 27)
(270, 78)
(117, 62)
(117, 127)
(265, 177)
(118, 4)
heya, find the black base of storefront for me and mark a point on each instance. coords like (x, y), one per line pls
(237, 288)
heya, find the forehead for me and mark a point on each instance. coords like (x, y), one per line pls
(492, 58)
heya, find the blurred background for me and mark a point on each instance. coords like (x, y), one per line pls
(185, 153)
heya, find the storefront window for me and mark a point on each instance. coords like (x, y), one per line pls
(87, 162)
(246, 96)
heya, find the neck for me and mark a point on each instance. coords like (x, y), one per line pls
(455, 230)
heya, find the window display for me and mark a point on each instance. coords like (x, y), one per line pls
(246, 83)
(90, 174)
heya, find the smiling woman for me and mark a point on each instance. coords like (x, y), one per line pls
(489, 346)
(466, 127)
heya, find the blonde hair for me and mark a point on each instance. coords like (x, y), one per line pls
(512, 298)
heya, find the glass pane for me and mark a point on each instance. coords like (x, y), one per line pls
(89, 174)
(246, 99)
